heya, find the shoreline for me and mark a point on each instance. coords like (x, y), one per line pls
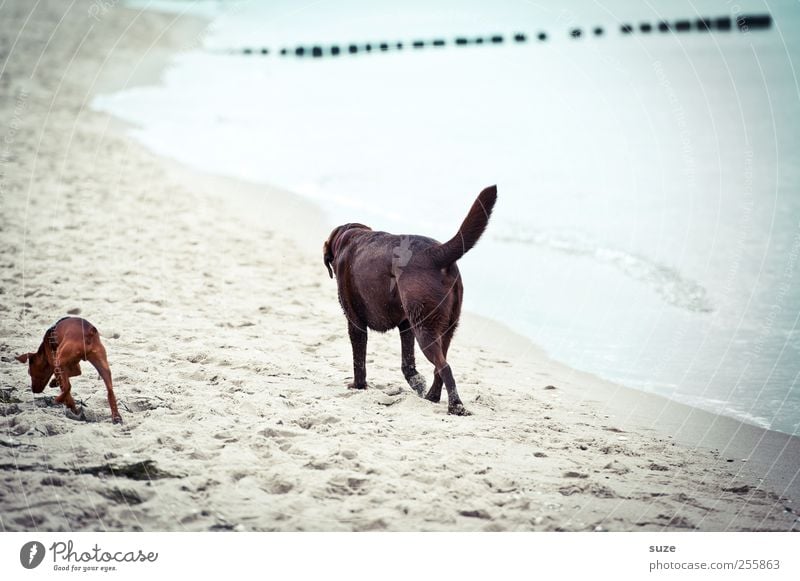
(686, 424)
(290, 206)
(592, 456)
(704, 402)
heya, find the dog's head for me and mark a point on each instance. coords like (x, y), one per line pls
(332, 245)
(38, 368)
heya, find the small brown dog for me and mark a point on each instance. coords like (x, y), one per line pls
(65, 344)
(409, 282)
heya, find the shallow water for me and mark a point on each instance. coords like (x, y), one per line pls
(648, 225)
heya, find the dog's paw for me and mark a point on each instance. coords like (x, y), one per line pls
(458, 410)
(434, 397)
(418, 384)
(78, 414)
(117, 420)
(355, 385)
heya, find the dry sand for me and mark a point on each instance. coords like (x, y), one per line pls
(230, 355)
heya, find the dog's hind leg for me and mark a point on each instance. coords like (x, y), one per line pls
(432, 347)
(435, 392)
(358, 340)
(98, 359)
(409, 367)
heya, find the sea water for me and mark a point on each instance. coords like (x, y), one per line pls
(648, 222)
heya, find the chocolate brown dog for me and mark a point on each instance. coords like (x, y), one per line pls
(409, 282)
(64, 345)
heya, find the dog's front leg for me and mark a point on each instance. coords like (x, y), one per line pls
(65, 396)
(358, 339)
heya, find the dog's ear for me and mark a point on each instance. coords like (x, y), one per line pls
(327, 257)
(23, 358)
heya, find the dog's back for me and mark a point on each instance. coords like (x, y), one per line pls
(383, 270)
(75, 331)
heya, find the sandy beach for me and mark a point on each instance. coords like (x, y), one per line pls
(230, 354)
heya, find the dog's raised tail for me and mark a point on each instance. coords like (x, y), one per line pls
(471, 229)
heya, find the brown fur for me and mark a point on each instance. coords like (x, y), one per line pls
(409, 282)
(64, 345)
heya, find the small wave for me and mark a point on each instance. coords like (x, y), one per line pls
(673, 288)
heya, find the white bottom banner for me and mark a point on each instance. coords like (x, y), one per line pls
(355, 556)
